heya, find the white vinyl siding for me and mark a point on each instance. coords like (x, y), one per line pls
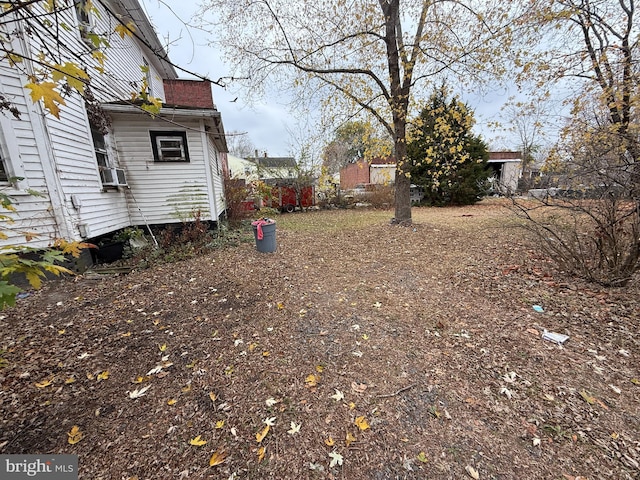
(165, 192)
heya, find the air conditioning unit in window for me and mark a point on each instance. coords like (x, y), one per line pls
(113, 177)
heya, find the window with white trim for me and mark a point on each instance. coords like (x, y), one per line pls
(100, 148)
(169, 146)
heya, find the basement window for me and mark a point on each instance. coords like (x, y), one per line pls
(169, 146)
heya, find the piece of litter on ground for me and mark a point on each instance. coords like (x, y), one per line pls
(558, 338)
(538, 308)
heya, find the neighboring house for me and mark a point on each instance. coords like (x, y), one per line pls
(275, 168)
(262, 168)
(506, 169)
(242, 168)
(100, 171)
(382, 171)
(378, 171)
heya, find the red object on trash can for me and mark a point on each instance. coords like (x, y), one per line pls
(264, 231)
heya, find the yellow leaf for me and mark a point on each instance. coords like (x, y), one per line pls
(252, 346)
(266, 354)
(90, 376)
(45, 91)
(423, 457)
(44, 383)
(349, 439)
(262, 433)
(362, 423)
(163, 347)
(319, 368)
(330, 441)
(172, 401)
(152, 106)
(352, 405)
(280, 305)
(128, 334)
(104, 375)
(197, 442)
(69, 380)
(217, 458)
(138, 379)
(125, 30)
(219, 424)
(61, 332)
(312, 380)
(261, 452)
(75, 435)
(72, 73)
(213, 396)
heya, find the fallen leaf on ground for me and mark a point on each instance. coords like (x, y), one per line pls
(587, 397)
(422, 457)
(362, 423)
(261, 452)
(269, 421)
(358, 387)
(338, 395)
(44, 383)
(350, 438)
(163, 347)
(295, 428)
(336, 459)
(154, 370)
(172, 401)
(219, 424)
(217, 458)
(213, 396)
(262, 433)
(137, 393)
(473, 473)
(330, 441)
(197, 441)
(311, 380)
(104, 375)
(270, 401)
(75, 435)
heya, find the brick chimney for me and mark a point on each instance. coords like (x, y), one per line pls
(188, 93)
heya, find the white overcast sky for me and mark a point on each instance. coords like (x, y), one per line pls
(268, 124)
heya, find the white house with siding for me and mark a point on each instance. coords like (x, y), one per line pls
(93, 178)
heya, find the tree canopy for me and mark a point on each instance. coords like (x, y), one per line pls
(447, 159)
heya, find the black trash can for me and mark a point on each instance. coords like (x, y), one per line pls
(264, 231)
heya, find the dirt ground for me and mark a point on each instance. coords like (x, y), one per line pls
(359, 350)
